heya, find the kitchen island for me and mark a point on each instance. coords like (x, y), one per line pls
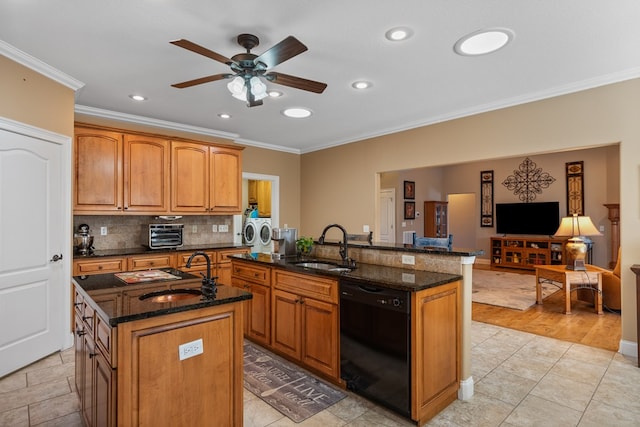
(157, 351)
(299, 311)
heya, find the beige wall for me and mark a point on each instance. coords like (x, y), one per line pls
(339, 184)
(30, 98)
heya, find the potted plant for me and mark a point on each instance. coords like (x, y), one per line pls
(304, 245)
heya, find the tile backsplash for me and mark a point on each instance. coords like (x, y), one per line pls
(129, 231)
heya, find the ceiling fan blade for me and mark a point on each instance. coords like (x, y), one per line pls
(296, 82)
(186, 44)
(286, 49)
(201, 80)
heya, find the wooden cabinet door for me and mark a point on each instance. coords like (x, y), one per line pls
(435, 318)
(320, 336)
(104, 405)
(97, 179)
(225, 166)
(189, 177)
(86, 393)
(146, 174)
(286, 320)
(264, 198)
(78, 345)
(259, 321)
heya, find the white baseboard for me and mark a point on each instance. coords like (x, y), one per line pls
(465, 392)
(628, 348)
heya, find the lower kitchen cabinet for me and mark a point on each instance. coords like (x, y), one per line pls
(305, 320)
(131, 375)
(435, 346)
(257, 313)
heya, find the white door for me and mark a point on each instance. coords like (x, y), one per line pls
(387, 215)
(34, 295)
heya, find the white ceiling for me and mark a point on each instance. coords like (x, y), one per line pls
(117, 48)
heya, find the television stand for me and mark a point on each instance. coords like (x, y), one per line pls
(526, 252)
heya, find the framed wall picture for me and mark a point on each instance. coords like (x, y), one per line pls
(575, 188)
(409, 190)
(486, 198)
(409, 210)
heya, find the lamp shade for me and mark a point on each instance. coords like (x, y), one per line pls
(576, 249)
(575, 225)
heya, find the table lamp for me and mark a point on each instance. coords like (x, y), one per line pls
(576, 249)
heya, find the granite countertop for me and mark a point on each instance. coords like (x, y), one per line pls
(389, 277)
(400, 247)
(144, 250)
(108, 293)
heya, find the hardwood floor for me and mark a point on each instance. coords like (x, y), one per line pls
(582, 326)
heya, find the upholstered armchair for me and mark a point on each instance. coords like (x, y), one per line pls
(611, 292)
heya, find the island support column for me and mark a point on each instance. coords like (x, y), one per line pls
(465, 391)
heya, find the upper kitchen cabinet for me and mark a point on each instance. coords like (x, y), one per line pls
(116, 173)
(124, 172)
(205, 178)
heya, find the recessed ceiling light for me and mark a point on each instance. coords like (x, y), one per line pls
(275, 93)
(361, 84)
(297, 113)
(137, 97)
(398, 34)
(224, 115)
(483, 41)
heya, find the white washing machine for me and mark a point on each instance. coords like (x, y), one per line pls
(257, 233)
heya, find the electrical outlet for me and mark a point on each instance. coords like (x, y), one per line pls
(190, 349)
(194, 228)
(103, 231)
(365, 228)
(409, 259)
(223, 228)
(214, 228)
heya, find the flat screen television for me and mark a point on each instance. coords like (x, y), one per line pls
(539, 218)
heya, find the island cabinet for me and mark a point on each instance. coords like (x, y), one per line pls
(205, 178)
(182, 367)
(117, 172)
(435, 347)
(94, 375)
(305, 320)
(257, 314)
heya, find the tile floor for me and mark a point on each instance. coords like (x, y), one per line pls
(521, 379)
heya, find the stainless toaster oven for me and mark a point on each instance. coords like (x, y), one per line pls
(164, 236)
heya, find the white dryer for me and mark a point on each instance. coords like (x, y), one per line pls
(257, 233)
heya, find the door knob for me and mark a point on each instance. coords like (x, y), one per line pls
(56, 258)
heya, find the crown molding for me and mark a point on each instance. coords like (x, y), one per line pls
(38, 66)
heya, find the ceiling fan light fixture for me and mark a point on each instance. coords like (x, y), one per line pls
(224, 115)
(297, 113)
(237, 88)
(483, 42)
(397, 34)
(258, 89)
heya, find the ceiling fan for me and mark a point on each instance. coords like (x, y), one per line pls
(249, 68)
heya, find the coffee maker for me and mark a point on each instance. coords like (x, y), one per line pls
(83, 240)
(284, 242)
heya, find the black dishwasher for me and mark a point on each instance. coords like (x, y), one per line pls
(375, 353)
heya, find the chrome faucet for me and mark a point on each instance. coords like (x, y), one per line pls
(209, 288)
(346, 261)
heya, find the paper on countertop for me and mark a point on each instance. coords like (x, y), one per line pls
(131, 277)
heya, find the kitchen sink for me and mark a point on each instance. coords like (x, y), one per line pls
(321, 265)
(171, 295)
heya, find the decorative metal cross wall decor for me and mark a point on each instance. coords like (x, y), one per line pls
(528, 181)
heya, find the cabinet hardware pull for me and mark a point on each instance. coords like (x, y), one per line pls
(85, 318)
(77, 304)
(92, 355)
(80, 332)
(56, 258)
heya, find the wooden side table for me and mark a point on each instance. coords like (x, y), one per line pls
(570, 280)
